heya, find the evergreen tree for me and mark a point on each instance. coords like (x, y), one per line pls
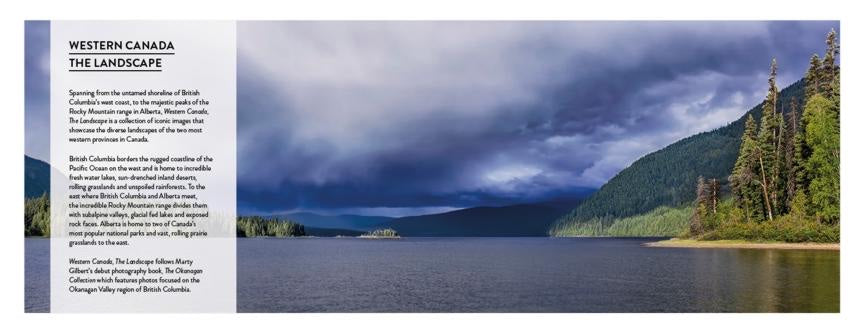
(766, 148)
(37, 216)
(791, 156)
(812, 78)
(829, 71)
(744, 174)
(697, 222)
(256, 226)
(780, 173)
(763, 154)
(831, 74)
(788, 164)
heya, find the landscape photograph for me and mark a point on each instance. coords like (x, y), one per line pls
(519, 166)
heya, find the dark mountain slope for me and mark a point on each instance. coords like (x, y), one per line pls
(510, 221)
(345, 222)
(330, 232)
(37, 180)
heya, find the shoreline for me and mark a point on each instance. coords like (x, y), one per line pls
(740, 244)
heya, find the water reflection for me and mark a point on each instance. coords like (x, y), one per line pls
(509, 275)
(758, 280)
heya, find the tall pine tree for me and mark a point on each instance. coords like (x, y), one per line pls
(791, 156)
(780, 171)
(744, 174)
(812, 78)
(822, 137)
(830, 72)
(766, 149)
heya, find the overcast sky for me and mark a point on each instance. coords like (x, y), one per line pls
(412, 117)
(395, 117)
(37, 37)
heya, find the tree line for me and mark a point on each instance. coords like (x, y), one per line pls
(787, 173)
(257, 226)
(37, 216)
(37, 222)
(381, 233)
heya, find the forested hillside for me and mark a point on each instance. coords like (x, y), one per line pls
(506, 221)
(37, 179)
(663, 221)
(668, 177)
(37, 184)
(785, 180)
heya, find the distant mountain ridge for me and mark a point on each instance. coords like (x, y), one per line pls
(522, 220)
(532, 219)
(667, 177)
(37, 179)
(513, 220)
(330, 232)
(343, 222)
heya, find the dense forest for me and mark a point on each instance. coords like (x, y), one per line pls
(256, 226)
(667, 177)
(521, 220)
(663, 221)
(37, 216)
(37, 222)
(785, 184)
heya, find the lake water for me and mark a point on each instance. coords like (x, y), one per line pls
(512, 275)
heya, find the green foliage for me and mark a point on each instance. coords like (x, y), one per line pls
(785, 228)
(730, 223)
(382, 233)
(760, 171)
(37, 222)
(823, 165)
(701, 209)
(668, 177)
(829, 73)
(745, 174)
(783, 172)
(37, 216)
(706, 207)
(256, 226)
(660, 222)
(812, 77)
(797, 173)
(590, 228)
(792, 159)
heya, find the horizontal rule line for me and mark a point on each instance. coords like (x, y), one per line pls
(115, 70)
(121, 53)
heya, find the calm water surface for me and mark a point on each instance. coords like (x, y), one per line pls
(36, 279)
(511, 275)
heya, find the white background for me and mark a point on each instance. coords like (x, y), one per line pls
(204, 59)
(12, 242)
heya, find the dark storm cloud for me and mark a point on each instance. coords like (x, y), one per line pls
(335, 115)
(36, 88)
